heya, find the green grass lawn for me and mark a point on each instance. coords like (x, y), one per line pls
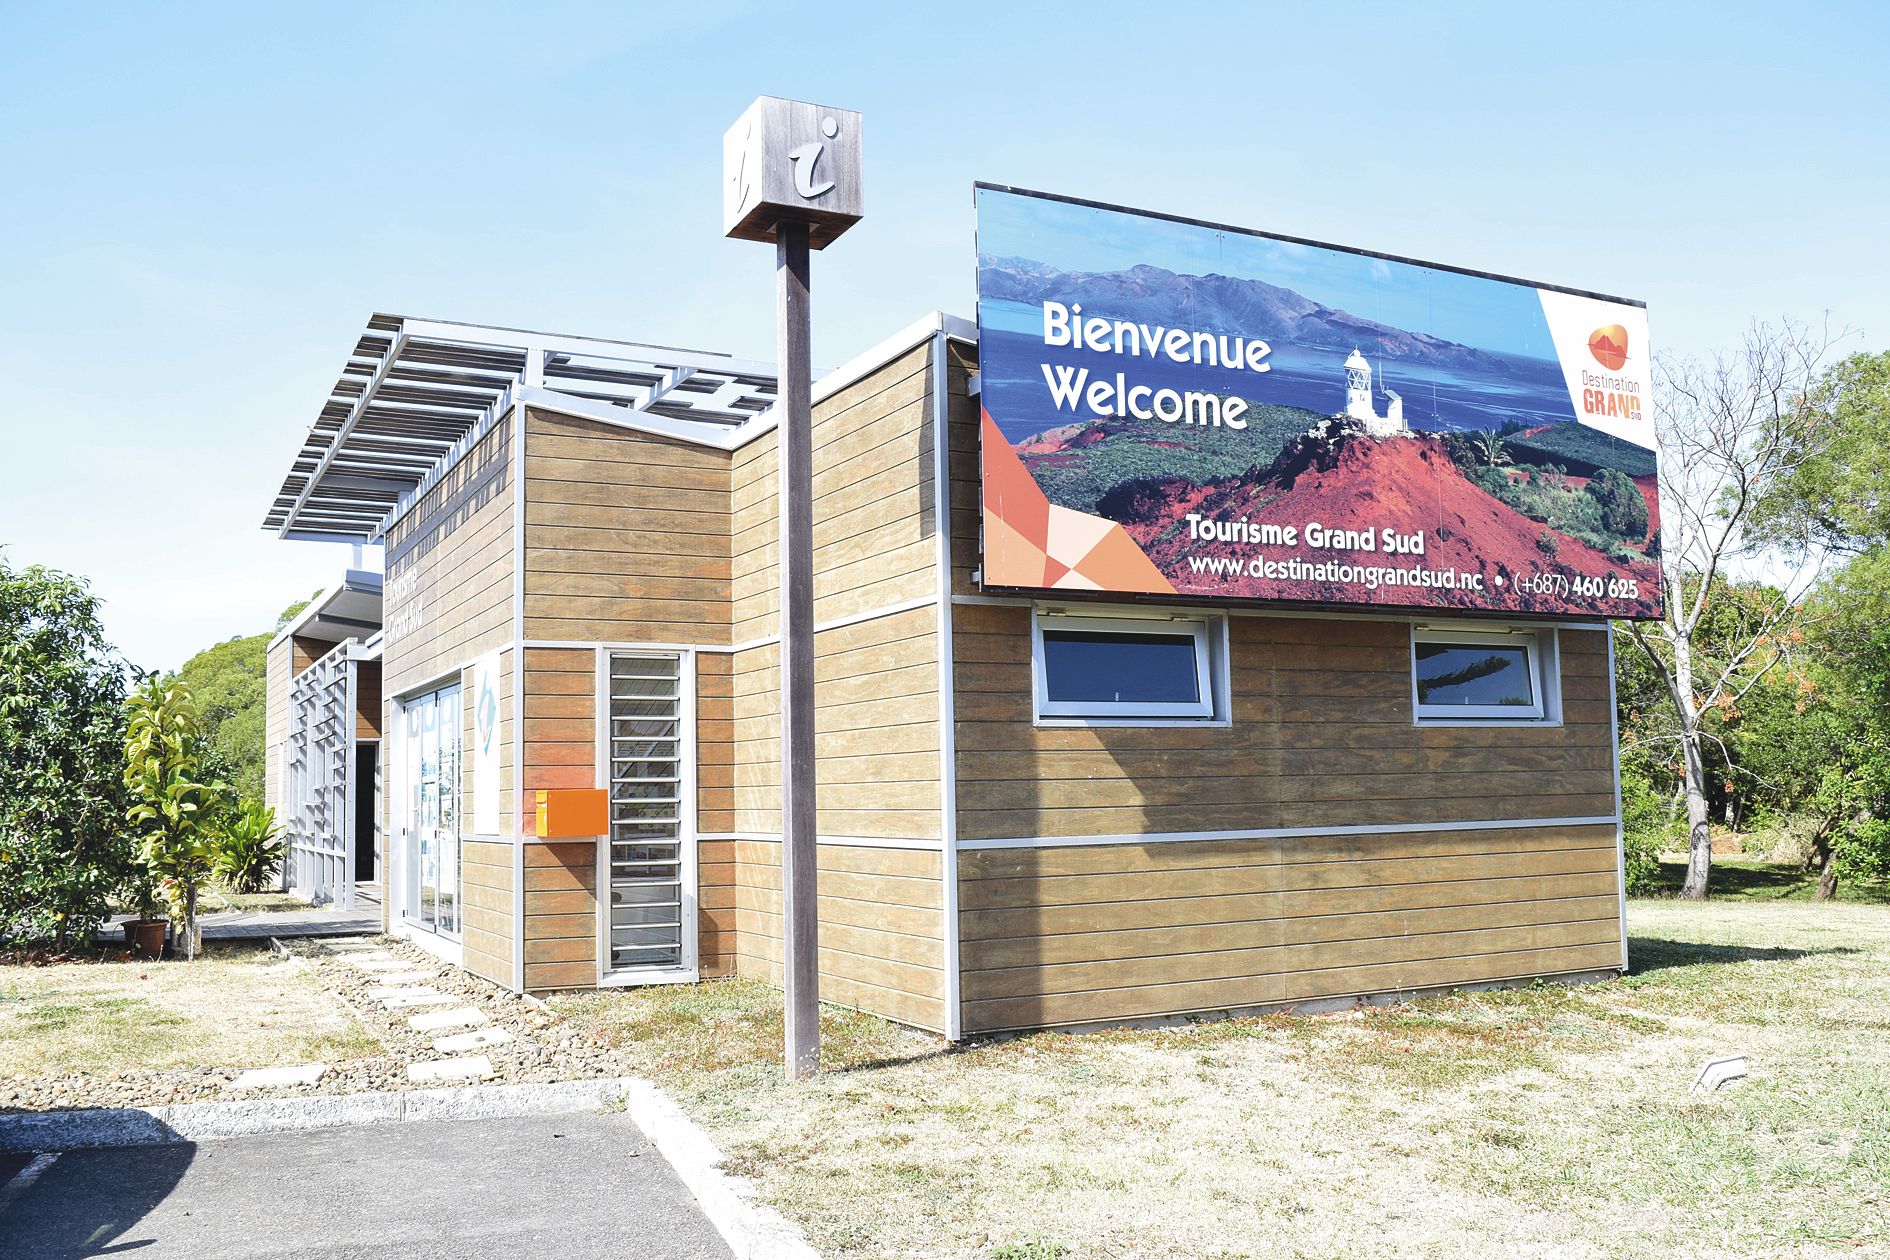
(1748, 879)
(1549, 1121)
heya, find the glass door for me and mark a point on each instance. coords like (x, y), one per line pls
(431, 731)
(650, 918)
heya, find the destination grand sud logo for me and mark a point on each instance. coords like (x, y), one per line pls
(1611, 397)
(1602, 346)
(1609, 345)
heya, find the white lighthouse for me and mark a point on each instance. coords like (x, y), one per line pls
(1359, 405)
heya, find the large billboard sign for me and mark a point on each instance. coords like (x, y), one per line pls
(1181, 409)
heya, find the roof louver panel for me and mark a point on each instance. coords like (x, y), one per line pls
(413, 391)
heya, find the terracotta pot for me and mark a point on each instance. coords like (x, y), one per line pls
(147, 936)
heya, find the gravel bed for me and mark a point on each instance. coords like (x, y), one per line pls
(546, 1047)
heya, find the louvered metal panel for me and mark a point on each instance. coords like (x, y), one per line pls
(414, 391)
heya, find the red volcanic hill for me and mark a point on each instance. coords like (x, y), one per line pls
(1405, 483)
(1050, 441)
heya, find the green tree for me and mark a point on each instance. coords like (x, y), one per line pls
(229, 683)
(1829, 760)
(1490, 447)
(1733, 431)
(63, 849)
(1839, 495)
(174, 811)
(1623, 510)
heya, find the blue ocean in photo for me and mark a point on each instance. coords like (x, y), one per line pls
(1520, 391)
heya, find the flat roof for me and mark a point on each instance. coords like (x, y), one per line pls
(348, 609)
(414, 391)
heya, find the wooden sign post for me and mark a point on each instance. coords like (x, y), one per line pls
(792, 176)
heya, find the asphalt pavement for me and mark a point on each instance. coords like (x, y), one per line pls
(567, 1186)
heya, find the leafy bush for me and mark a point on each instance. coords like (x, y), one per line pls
(173, 810)
(251, 848)
(1623, 510)
(63, 851)
(1640, 852)
(1647, 827)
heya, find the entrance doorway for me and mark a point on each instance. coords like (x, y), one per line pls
(430, 840)
(367, 808)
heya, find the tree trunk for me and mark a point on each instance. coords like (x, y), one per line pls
(1827, 882)
(1699, 832)
(1820, 846)
(190, 923)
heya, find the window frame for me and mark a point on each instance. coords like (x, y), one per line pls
(1540, 654)
(1210, 654)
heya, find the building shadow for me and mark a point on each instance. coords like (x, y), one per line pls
(1652, 953)
(86, 1203)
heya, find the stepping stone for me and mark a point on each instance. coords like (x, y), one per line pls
(408, 1002)
(419, 995)
(270, 1078)
(473, 1067)
(355, 947)
(406, 977)
(440, 1021)
(367, 962)
(478, 1039)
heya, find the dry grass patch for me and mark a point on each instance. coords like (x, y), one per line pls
(219, 900)
(233, 1007)
(1548, 1121)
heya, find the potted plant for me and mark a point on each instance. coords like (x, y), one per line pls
(173, 811)
(146, 933)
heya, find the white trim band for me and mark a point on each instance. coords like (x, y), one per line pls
(747, 645)
(851, 842)
(1283, 833)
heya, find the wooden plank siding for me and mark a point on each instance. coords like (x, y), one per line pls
(876, 720)
(561, 921)
(447, 602)
(447, 605)
(367, 699)
(874, 515)
(881, 926)
(877, 710)
(1104, 932)
(561, 915)
(963, 468)
(626, 535)
(715, 814)
(1321, 736)
(487, 900)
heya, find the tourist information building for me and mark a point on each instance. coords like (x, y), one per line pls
(1068, 773)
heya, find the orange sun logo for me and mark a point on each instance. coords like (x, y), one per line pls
(1609, 346)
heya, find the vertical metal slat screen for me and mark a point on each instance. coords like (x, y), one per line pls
(646, 858)
(320, 855)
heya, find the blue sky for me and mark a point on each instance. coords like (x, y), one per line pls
(203, 203)
(1470, 310)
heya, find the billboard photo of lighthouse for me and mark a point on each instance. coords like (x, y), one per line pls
(1182, 409)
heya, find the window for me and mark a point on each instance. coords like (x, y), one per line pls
(1096, 668)
(651, 896)
(1480, 674)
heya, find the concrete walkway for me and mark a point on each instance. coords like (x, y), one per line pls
(554, 1186)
